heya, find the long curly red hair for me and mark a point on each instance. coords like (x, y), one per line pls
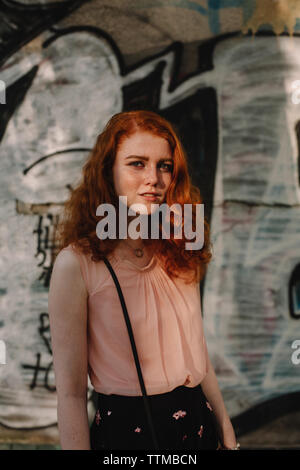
(78, 222)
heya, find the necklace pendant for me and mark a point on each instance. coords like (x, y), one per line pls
(138, 252)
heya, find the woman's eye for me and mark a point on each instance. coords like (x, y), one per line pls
(134, 163)
(167, 167)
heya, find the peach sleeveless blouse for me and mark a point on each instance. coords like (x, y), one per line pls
(166, 320)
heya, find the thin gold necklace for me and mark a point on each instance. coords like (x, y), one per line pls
(137, 251)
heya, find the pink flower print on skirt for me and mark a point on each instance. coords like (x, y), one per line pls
(179, 414)
(200, 432)
(98, 417)
(208, 406)
(109, 412)
(184, 437)
(137, 429)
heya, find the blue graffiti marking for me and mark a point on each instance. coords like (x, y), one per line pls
(174, 3)
(212, 12)
(216, 5)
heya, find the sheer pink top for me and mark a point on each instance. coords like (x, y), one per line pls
(166, 320)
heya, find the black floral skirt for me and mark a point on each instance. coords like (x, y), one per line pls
(182, 419)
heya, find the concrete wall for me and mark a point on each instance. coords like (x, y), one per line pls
(234, 100)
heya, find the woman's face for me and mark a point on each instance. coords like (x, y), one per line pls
(143, 164)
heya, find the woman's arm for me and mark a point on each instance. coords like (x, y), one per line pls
(213, 394)
(67, 302)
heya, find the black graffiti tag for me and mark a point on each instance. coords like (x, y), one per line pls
(45, 232)
(44, 331)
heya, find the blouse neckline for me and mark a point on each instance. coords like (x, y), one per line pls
(148, 266)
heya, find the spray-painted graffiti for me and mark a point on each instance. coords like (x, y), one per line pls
(216, 12)
(36, 368)
(280, 14)
(239, 127)
(45, 247)
(48, 148)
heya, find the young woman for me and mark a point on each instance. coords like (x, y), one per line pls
(137, 155)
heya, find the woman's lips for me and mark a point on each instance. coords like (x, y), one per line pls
(149, 198)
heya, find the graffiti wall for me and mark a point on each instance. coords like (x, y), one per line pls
(235, 100)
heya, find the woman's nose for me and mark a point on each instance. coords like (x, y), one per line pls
(151, 176)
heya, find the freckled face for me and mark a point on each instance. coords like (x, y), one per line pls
(143, 164)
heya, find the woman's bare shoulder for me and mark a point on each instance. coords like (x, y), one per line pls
(67, 269)
(67, 259)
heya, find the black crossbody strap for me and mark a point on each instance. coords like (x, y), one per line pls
(137, 363)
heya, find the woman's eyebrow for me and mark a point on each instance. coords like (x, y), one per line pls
(147, 158)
